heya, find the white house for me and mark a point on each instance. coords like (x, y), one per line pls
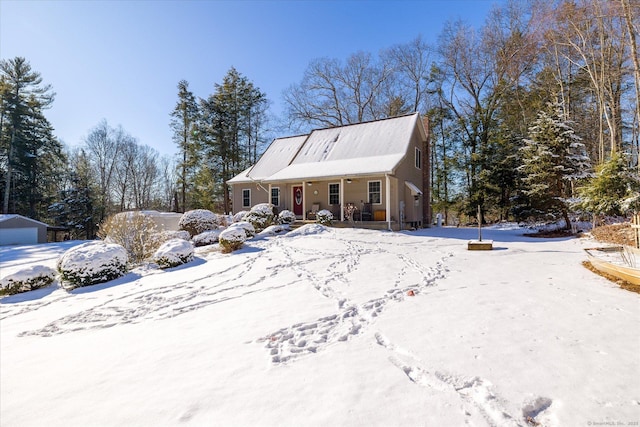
(374, 169)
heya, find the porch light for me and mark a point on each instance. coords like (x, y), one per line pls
(309, 183)
(348, 180)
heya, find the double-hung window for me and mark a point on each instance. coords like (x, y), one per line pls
(418, 158)
(334, 194)
(246, 198)
(375, 192)
(275, 196)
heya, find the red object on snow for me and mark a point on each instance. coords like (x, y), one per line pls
(411, 293)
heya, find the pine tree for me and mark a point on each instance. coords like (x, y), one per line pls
(613, 190)
(553, 158)
(231, 125)
(184, 118)
(30, 154)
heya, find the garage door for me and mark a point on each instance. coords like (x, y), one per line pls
(18, 236)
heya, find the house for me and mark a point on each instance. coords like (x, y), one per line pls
(373, 169)
(20, 230)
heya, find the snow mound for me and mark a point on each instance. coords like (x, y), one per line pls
(239, 216)
(173, 252)
(170, 234)
(91, 263)
(274, 230)
(308, 229)
(28, 279)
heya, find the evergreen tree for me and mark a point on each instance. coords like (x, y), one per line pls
(230, 129)
(612, 190)
(30, 156)
(184, 118)
(553, 158)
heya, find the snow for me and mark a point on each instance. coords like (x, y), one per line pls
(324, 326)
(173, 252)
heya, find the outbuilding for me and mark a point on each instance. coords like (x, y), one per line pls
(20, 230)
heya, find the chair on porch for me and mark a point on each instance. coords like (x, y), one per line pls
(315, 208)
(366, 214)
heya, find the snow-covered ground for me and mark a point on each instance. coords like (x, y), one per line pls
(335, 327)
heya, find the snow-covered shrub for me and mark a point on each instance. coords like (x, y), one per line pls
(197, 221)
(27, 279)
(237, 217)
(173, 252)
(232, 239)
(324, 217)
(249, 230)
(225, 220)
(274, 230)
(170, 234)
(92, 262)
(260, 216)
(206, 238)
(286, 217)
(134, 231)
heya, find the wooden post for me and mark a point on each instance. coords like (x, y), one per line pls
(479, 224)
(635, 224)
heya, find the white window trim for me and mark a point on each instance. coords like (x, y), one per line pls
(329, 193)
(271, 196)
(369, 191)
(418, 158)
(243, 190)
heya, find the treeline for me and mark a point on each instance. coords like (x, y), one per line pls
(73, 188)
(527, 112)
(533, 115)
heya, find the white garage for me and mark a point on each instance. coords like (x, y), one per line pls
(20, 230)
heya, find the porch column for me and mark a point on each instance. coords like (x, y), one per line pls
(304, 200)
(269, 195)
(341, 199)
(387, 198)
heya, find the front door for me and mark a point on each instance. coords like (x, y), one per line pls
(297, 200)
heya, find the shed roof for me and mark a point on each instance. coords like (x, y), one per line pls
(6, 217)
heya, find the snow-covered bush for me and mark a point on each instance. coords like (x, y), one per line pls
(260, 216)
(274, 230)
(206, 238)
(249, 230)
(170, 234)
(92, 262)
(324, 217)
(232, 239)
(197, 221)
(237, 217)
(286, 217)
(134, 231)
(225, 220)
(173, 253)
(27, 279)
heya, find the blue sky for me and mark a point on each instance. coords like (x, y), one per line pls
(122, 60)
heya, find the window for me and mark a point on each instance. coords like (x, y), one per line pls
(246, 198)
(334, 194)
(275, 196)
(418, 158)
(375, 192)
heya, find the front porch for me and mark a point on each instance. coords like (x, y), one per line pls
(367, 225)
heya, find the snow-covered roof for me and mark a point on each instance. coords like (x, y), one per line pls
(369, 148)
(6, 217)
(276, 157)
